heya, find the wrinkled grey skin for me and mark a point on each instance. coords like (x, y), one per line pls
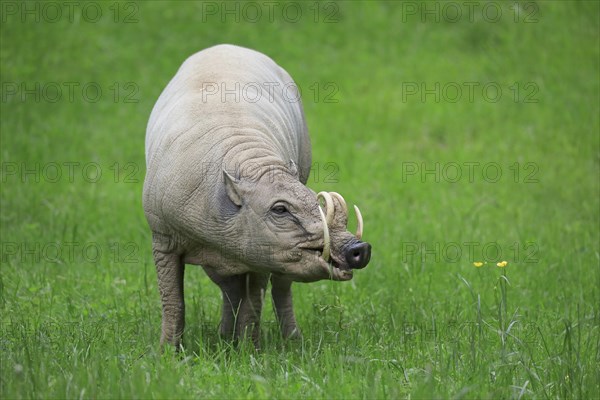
(225, 189)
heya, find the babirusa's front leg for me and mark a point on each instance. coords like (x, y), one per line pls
(281, 292)
(170, 270)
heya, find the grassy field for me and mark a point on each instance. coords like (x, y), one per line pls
(466, 133)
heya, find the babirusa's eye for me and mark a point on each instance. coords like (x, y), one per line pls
(279, 209)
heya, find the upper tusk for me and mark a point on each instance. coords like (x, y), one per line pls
(329, 205)
(342, 202)
(359, 227)
(326, 248)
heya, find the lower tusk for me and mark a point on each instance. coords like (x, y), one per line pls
(326, 248)
(359, 227)
(328, 205)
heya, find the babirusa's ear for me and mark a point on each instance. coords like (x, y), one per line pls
(232, 188)
(293, 168)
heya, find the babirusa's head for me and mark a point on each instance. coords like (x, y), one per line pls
(283, 227)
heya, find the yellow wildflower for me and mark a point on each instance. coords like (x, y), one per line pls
(478, 264)
(502, 264)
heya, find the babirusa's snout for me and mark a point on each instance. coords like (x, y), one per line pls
(358, 255)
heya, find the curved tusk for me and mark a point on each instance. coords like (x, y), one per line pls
(326, 248)
(359, 227)
(329, 205)
(342, 202)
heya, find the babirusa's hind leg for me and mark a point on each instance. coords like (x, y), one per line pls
(231, 287)
(248, 319)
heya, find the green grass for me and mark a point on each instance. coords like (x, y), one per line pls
(80, 312)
